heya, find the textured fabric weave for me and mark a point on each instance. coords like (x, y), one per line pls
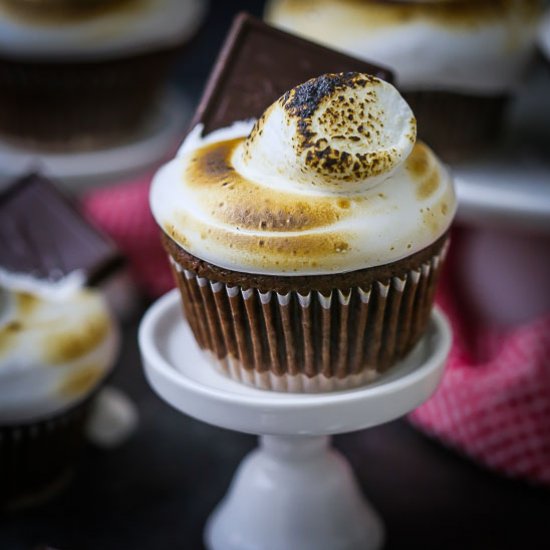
(494, 401)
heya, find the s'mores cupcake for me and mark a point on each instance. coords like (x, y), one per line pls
(84, 74)
(57, 345)
(307, 244)
(457, 62)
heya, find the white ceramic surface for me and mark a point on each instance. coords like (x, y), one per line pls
(178, 371)
(80, 170)
(294, 492)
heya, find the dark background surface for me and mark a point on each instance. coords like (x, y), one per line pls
(156, 491)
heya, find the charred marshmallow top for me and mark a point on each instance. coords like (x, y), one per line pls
(328, 180)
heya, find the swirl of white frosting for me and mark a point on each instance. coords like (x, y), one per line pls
(297, 193)
(128, 27)
(480, 46)
(53, 351)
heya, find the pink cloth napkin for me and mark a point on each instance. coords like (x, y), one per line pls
(122, 211)
(493, 404)
(494, 401)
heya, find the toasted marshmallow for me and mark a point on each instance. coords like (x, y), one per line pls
(342, 133)
(296, 193)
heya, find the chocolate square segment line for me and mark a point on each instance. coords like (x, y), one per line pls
(258, 63)
(43, 235)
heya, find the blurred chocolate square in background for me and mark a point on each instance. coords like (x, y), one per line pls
(43, 235)
(258, 63)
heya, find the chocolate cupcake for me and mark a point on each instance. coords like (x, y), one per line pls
(307, 244)
(81, 75)
(457, 62)
(57, 345)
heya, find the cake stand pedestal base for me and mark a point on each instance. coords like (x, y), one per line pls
(294, 492)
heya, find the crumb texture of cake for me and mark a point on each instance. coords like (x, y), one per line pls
(54, 351)
(329, 179)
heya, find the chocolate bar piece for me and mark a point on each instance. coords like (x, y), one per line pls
(43, 235)
(258, 63)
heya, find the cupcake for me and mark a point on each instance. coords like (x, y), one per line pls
(307, 244)
(457, 62)
(57, 345)
(86, 74)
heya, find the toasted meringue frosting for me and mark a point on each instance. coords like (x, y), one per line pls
(478, 46)
(132, 26)
(53, 351)
(328, 180)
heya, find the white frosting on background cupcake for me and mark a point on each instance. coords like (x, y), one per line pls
(329, 180)
(480, 47)
(133, 27)
(53, 351)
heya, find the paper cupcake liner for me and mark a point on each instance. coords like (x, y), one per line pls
(80, 105)
(37, 459)
(309, 342)
(458, 126)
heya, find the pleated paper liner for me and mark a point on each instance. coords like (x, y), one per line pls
(37, 459)
(311, 341)
(80, 105)
(458, 126)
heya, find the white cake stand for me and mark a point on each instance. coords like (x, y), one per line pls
(294, 492)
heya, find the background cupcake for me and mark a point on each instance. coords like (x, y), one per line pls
(76, 75)
(57, 345)
(307, 253)
(457, 61)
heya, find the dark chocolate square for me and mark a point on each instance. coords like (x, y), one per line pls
(42, 234)
(258, 63)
